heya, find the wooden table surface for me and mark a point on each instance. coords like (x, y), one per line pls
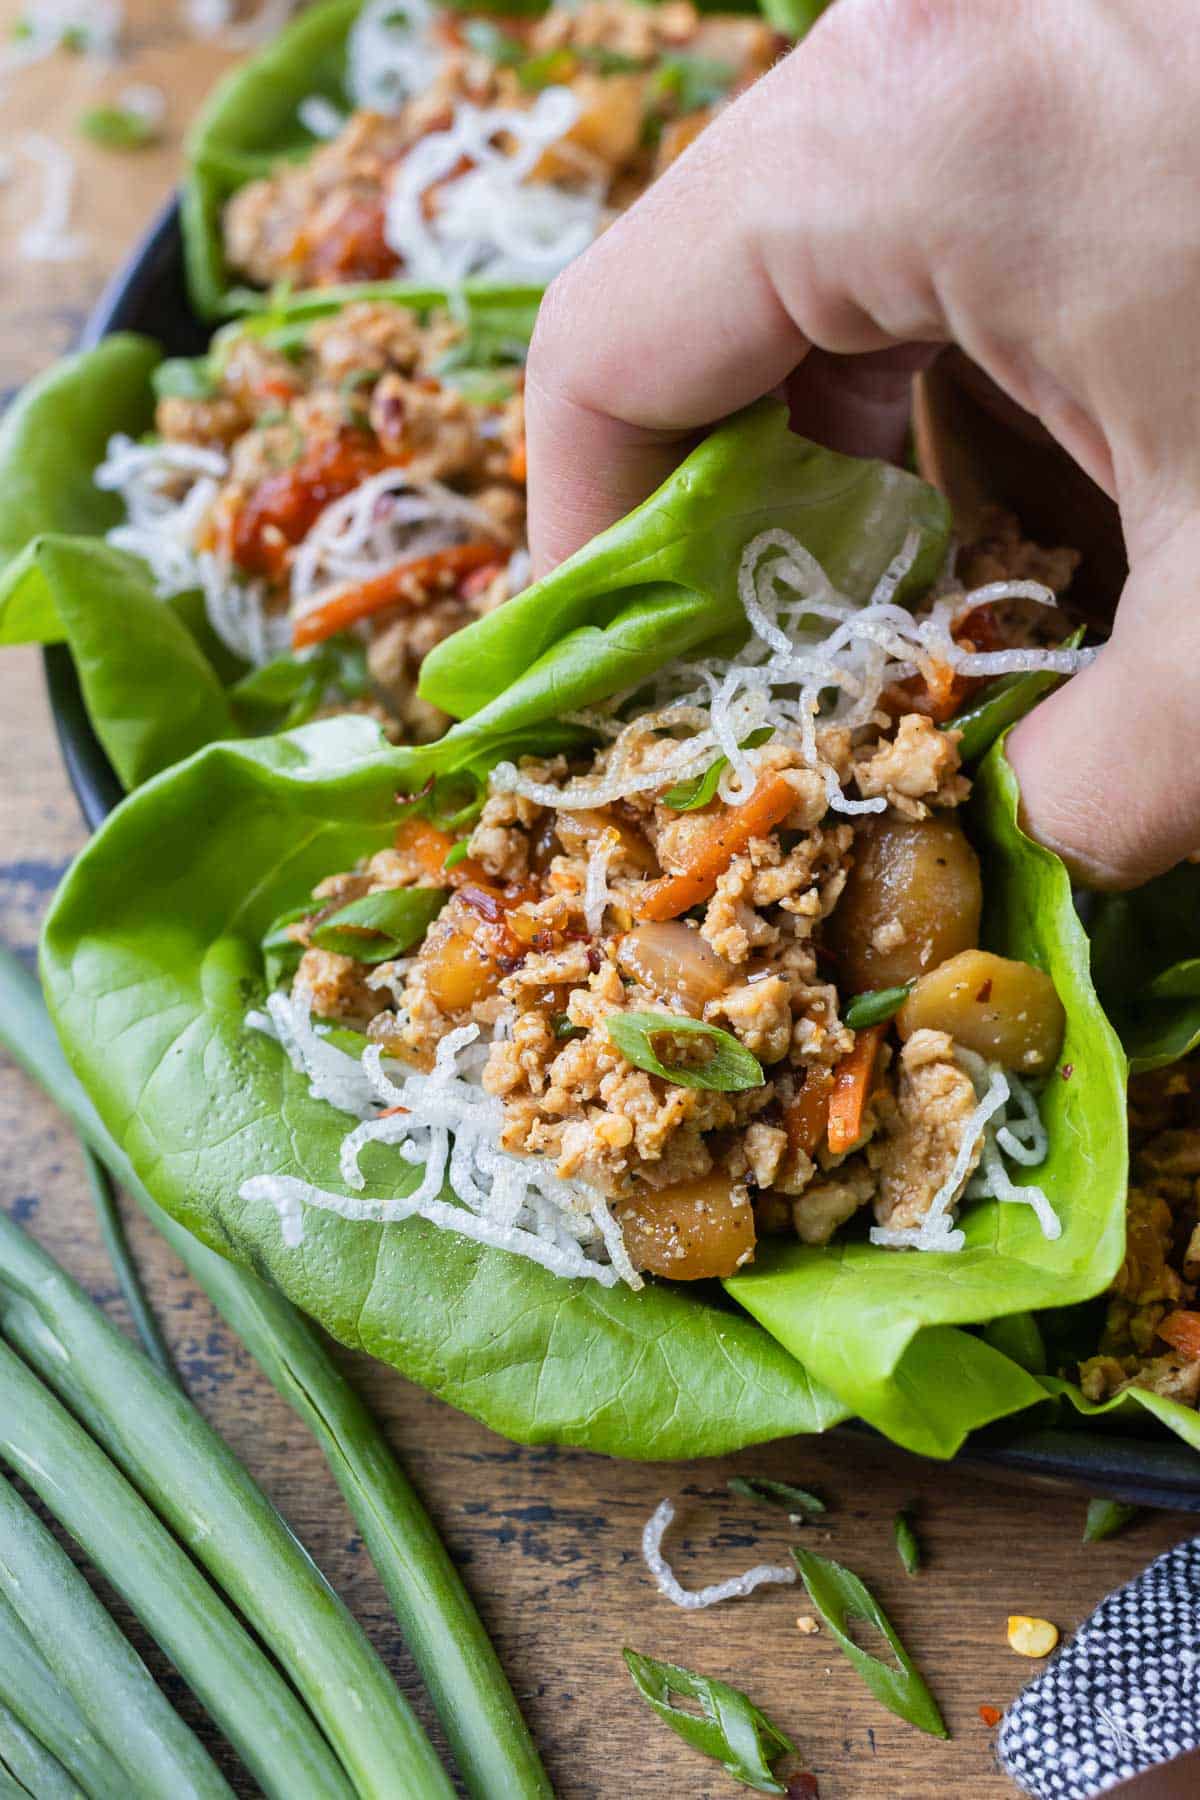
(547, 1539)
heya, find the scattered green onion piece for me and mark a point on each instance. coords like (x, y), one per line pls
(609, 62)
(729, 1727)
(875, 1006)
(281, 952)
(457, 853)
(1002, 703)
(907, 1547)
(42, 1704)
(731, 1068)
(547, 70)
(776, 1493)
(563, 1026)
(482, 387)
(255, 1708)
(112, 1230)
(693, 81)
(377, 927)
(699, 790)
(24, 1756)
(287, 691)
(119, 128)
(1105, 1518)
(108, 1681)
(838, 1595)
(457, 1662)
(183, 378)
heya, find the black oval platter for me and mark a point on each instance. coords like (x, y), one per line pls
(149, 295)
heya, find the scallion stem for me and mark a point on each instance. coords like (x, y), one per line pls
(254, 1707)
(491, 1742)
(101, 1671)
(28, 1760)
(104, 1201)
(30, 1691)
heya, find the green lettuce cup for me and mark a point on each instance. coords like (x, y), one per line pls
(160, 673)
(274, 112)
(167, 934)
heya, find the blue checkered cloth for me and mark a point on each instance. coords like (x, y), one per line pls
(1123, 1695)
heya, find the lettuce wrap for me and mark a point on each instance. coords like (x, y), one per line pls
(262, 115)
(157, 680)
(153, 956)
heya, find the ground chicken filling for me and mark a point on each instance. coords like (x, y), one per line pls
(614, 92)
(364, 482)
(1151, 1337)
(666, 992)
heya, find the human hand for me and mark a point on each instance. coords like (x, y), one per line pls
(1020, 180)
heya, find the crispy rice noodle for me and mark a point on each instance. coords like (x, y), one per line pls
(692, 1599)
(492, 221)
(814, 659)
(169, 491)
(445, 1124)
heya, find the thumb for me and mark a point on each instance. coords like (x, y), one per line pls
(1109, 767)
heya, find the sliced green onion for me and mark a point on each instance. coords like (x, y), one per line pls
(1002, 703)
(457, 853)
(255, 1708)
(907, 1547)
(120, 1256)
(119, 128)
(729, 1727)
(483, 1722)
(875, 1006)
(563, 1026)
(693, 81)
(546, 70)
(730, 1069)
(377, 927)
(26, 1758)
(98, 1667)
(43, 1705)
(183, 378)
(281, 952)
(287, 691)
(776, 1493)
(699, 790)
(839, 1595)
(1105, 1518)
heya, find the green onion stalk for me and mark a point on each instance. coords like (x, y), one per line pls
(27, 1759)
(180, 1464)
(221, 1663)
(101, 1671)
(32, 1694)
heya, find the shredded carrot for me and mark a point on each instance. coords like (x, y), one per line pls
(710, 856)
(1182, 1331)
(390, 1112)
(406, 581)
(804, 1117)
(991, 1715)
(518, 466)
(852, 1089)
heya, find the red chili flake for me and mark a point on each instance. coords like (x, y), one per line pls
(594, 959)
(1067, 1070)
(803, 1786)
(985, 992)
(991, 1715)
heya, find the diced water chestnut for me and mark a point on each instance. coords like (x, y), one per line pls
(458, 972)
(913, 899)
(1004, 1010)
(695, 1231)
